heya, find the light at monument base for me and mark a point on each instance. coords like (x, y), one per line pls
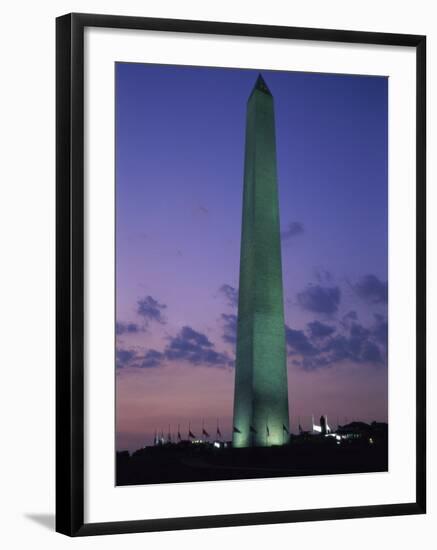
(276, 437)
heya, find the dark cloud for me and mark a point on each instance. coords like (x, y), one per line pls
(230, 293)
(359, 332)
(194, 347)
(130, 358)
(188, 345)
(312, 363)
(356, 345)
(372, 290)
(190, 337)
(371, 353)
(317, 329)
(380, 330)
(126, 328)
(229, 328)
(322, 347)
(348, 318)
(124, 357)
(298, 342)
(320, 299)
(151, 310)
(293, 229)
(152, 359)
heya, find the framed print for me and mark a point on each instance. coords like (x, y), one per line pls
(240, 274)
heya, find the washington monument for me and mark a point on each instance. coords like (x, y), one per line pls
(261, 416)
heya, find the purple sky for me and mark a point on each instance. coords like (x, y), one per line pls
(179, 181)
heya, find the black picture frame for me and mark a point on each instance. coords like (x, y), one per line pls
(70, 273)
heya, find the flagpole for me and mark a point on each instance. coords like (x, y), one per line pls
(218, 431)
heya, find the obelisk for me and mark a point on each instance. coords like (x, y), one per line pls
(261, 416)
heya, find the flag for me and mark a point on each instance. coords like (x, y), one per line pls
(218, 432)
(236, 430)
(252, 429)
(179, 433)
(300, 429)
(190, 433)
(284, 428)
(205, 433)
(267, 430)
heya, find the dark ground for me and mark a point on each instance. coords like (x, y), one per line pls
(190, 462)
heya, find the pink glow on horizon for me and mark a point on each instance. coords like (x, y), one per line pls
(179, 394)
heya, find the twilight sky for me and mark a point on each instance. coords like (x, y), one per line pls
(179, 180)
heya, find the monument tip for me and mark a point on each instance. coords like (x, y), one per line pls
(261, 85)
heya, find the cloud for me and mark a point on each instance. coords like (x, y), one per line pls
(151, 310)
(124, 357)
(229, 328)
(357, 349)
(380, 330)
(371, 353)
(322, 347)
(129, 358)
(319, 330)
(298, 342)
(312, 363)
(357, 345)
(349, 318)
(230, 293)
(126, 328)
(293, 230)
(152, 359)
(320, 299)
(195, 348)
(188, 345)
(372, 290)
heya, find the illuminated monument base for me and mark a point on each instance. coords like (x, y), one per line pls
(261, 416)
